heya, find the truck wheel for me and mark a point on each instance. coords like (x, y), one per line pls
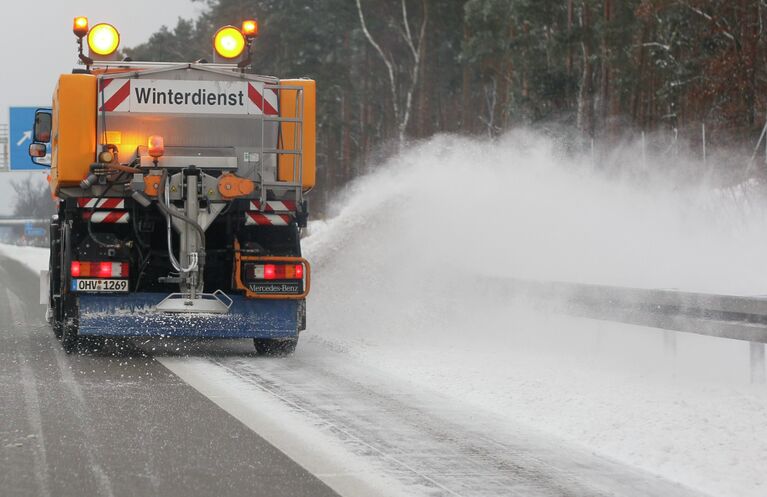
(55, 305)
(275, 347)
(54, 278)
(69, 311)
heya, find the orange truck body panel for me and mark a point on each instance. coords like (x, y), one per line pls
(289, 107)
(73, 143)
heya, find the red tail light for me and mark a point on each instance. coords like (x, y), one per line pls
(105, 270)
(82, 269)
(270, 272)
(274, 271)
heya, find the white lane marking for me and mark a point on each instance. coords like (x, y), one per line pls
(284, 428)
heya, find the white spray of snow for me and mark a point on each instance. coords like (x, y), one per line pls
(397, 284)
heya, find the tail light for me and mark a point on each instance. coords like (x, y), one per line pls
(274, 271)
(81, 269)
(275, 279)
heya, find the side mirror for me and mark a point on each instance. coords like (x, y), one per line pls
(43, 125)
(37, 150)
(39, 154)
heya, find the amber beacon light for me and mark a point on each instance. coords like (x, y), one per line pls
(80, 26)
(156, 146)
(250, 28)
(103, 39)
(229, 42)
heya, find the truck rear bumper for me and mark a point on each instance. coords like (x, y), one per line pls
(134, 315)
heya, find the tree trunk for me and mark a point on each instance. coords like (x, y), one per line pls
(604, 89)
(466, 111)
(585, 95)
(426, 89)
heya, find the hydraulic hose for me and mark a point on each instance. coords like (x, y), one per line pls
(164, 198)
(170, 212)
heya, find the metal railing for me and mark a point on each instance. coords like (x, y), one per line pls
(23, 221)
(723, 316)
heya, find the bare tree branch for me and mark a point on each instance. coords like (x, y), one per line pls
(389, 64)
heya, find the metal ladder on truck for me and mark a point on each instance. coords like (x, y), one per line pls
(295, 187)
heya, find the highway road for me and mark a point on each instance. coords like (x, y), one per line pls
(169, 418)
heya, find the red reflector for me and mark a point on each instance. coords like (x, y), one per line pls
(74, 269)
(270, 272)
(299, 271)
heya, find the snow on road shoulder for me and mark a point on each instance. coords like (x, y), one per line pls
(397, 284)
(35, 258)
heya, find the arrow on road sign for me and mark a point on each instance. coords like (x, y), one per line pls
(26, 136)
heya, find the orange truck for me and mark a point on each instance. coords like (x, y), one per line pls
(181, 195)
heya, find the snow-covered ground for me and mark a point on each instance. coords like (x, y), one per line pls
(35, 258)
(397, 285)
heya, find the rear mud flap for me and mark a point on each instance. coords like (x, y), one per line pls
(134, 315)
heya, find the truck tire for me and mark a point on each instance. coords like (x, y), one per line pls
(69, 311)
(275, 347)
(54, 277)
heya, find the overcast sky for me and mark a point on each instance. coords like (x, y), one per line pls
(38, 45)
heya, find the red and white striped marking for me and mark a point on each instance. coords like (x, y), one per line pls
(114, 95)
(274, 206)
(258, 219)
(265, 100)
(107, 217)
(104, 203)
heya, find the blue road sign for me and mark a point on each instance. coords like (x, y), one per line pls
(33, 231)
(20, 131)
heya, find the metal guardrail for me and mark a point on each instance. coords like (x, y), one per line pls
(722, 316)
(19, 221)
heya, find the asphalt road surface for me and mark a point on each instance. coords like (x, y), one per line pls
(117, 424)
(170, 418)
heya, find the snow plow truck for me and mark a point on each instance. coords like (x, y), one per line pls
(180, 191)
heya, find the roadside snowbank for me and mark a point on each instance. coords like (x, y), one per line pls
(398, 285)
(35, 258)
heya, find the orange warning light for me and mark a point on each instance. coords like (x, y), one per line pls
(80, 26)
(250, 28)
(156, 146)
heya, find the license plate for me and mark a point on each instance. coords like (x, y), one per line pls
(98, 286)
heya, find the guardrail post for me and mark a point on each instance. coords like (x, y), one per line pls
(757, 363)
